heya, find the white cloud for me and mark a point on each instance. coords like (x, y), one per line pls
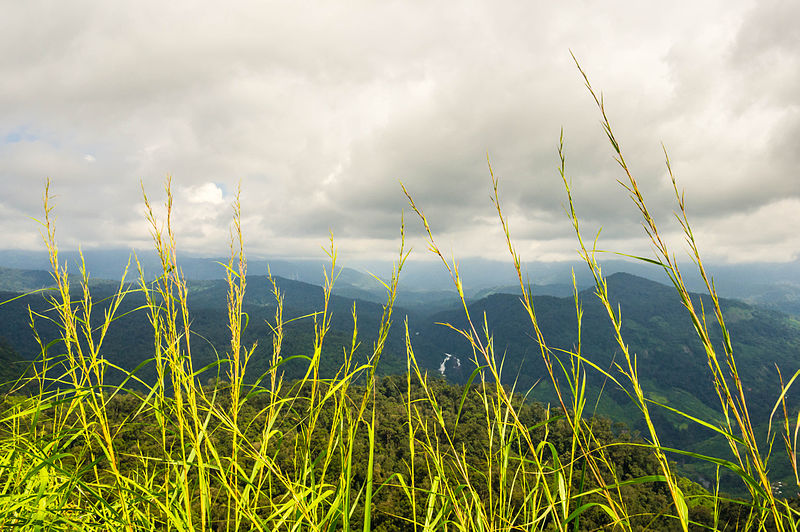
(209, 193)
(320, 109)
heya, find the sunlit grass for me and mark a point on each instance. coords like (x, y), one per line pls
(258, 452)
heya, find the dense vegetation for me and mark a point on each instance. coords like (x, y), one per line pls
(461, 439)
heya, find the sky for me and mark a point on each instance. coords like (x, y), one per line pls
(320, 110)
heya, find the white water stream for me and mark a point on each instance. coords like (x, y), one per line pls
(443, 365)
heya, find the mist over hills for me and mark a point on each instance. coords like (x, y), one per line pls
(425, 285)
(654, 321)
(654, 324)
(671, 362)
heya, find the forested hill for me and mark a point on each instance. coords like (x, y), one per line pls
(17, 280)
(671, 361)
(130, 338)
(11, 364)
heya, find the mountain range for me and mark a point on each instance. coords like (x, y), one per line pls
(670, 360)
(425, 283)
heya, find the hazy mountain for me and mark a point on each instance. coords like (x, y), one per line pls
(18, 280)
(425, 285)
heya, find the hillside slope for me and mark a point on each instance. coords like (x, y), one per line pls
(671, 361)
(129, 341)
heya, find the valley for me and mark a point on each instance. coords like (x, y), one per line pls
(670, 361)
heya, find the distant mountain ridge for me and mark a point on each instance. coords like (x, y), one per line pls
(774, 285)
(670, 360)
(20, 280)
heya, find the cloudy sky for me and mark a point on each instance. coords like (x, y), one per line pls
(320, 109)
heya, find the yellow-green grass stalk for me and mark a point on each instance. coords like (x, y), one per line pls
(738, 429)
(572, 407)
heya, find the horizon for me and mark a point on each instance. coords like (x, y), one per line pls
(423, 274)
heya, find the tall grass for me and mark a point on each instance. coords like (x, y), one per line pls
(257, 452)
